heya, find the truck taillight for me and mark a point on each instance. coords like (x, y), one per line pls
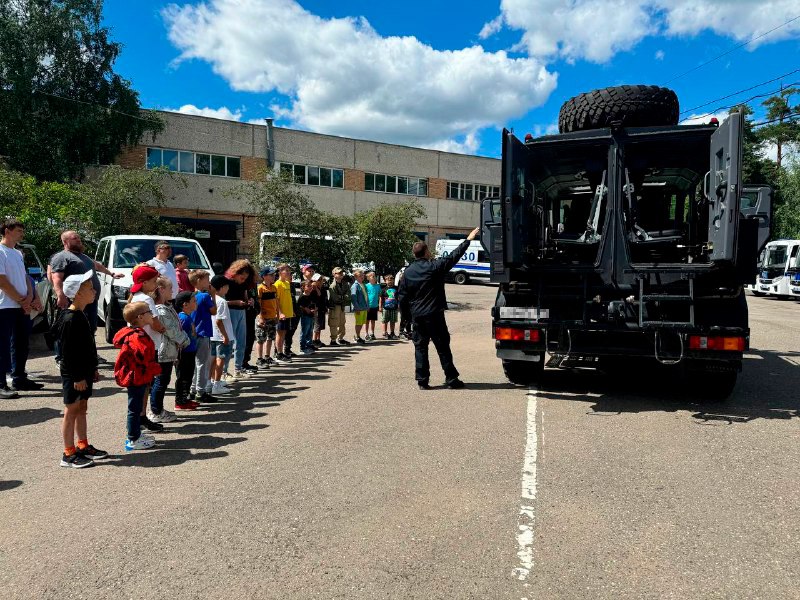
(512, 334)
(716, 342)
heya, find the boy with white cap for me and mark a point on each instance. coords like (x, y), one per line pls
(78, 371)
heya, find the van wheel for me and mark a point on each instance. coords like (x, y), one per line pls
(524, 372)
(461, 278)
(109, 329)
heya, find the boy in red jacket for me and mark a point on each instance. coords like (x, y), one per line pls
(135, 368)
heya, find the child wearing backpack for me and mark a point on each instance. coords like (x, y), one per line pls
(135, 368)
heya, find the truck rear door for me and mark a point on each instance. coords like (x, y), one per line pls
(724, 187)
(756, 203)
(517, 194)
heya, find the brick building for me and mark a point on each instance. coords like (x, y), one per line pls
(341, 175)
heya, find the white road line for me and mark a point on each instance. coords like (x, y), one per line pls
(526, 521)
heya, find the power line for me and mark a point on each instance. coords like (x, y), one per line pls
(736, 47)
(758, 85)
(781, 118)
(748, 100)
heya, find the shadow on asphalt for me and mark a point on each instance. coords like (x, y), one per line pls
(9, 485)
(24, 417)
(766, 389)
(229, 416)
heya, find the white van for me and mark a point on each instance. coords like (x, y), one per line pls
(474, 263)
(780, 260)
(120, 254)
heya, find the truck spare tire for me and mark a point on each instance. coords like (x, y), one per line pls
(628, 105)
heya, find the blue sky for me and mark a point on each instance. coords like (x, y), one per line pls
(441, 74)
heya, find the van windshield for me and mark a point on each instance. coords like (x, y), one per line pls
(776, 257)
(129, 252)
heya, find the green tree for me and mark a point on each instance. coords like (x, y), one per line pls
(384, 234)
(786, 130)
(126, 201)
(47, 209)
(787, 211)
(62, 107)
(300, 231)
(755, 167)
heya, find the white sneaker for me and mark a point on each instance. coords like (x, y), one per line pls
(164, 417)
(229, 378)
(220, 389)
(143, 443)
(241, 374)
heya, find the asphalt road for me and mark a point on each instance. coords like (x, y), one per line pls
(337, 478)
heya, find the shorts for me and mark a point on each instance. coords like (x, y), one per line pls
(220, 350)
(71, 395)
(285, 324)
(267, 331)
(319, 325)
(361, 317)
(372, 314)
(389, 315)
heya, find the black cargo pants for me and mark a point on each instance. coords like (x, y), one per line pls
(428, 329)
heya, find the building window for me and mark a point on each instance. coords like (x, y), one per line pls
(193, 162)
(393, 184)
(470, 191)
(313, 175)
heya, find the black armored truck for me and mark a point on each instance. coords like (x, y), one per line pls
(623, 238)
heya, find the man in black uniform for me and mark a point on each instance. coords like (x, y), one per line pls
(422, 291)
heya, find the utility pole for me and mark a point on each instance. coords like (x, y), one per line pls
(780, 128)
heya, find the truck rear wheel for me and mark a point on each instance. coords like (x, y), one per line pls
(629, 105)
(461, 278)
(524, 372)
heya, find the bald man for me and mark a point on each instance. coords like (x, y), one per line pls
(72, 261)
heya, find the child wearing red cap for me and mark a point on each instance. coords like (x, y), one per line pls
(145, 282)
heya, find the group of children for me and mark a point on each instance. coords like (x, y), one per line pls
(194, 334)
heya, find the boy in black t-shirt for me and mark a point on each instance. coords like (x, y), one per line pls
(308, 316)
(78, 371)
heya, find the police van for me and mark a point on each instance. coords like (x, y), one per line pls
(474, 263)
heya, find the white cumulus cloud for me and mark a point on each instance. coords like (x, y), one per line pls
(223, 112)
(705, 118)
(341, 77)
(596, 30)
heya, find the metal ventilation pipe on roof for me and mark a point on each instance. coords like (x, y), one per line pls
(270, 145)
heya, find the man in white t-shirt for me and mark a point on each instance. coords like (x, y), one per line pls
(16, 302)
(164, 266)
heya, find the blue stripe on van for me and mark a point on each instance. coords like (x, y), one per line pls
(473, 267)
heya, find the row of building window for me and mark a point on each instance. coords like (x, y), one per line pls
(471, 191)
(230, 166)
(198, 163)
(308, 175)
(392, 184)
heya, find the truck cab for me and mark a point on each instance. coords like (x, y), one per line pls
(616, 243)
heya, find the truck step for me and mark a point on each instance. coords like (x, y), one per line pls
(666, 298)
(667, 324)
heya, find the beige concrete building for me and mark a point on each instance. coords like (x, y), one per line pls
(341, 175)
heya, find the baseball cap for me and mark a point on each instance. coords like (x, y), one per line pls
(267, 271)
(308, 266)
(140, 275)
(73, 283)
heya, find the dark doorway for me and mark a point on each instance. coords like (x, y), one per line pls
(219, 239)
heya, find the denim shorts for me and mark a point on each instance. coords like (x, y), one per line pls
(220, 350)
